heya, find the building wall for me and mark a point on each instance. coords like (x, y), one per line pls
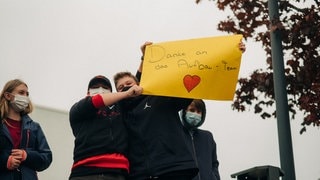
(55, 124)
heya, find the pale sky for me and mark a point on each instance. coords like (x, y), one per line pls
(57, 46)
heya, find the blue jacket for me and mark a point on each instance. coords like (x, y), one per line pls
(33, 141)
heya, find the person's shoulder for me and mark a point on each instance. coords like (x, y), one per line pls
(179, 101)
(204, 131)
(28, 120)
(86, 99)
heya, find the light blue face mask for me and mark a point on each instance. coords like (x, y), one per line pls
(193, 119)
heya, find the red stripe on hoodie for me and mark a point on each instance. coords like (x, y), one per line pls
(105, 161)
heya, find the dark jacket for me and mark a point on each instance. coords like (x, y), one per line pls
(39, 155)
(157, 143)
(97, 131)
(204, 148)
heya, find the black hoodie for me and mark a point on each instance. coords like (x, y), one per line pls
(157, 143)
(204, 150)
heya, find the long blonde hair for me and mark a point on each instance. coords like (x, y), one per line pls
(4, 103)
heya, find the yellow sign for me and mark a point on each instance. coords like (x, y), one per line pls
(204, 68)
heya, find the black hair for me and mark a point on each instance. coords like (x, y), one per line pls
(200, 105)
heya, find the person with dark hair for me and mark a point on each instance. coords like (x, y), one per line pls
(157, 145)
(100, 145)
(201, 141)
(24, 149)
(158, 148)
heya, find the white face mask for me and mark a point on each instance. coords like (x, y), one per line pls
(20, 103)
(99, 90)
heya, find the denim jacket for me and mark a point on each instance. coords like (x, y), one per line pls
(33, 141)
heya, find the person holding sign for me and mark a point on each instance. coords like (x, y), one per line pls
(201, 141)
(157, 144)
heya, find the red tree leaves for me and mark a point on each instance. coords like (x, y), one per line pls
(299, 25)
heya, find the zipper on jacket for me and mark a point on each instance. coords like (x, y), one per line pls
(194, 153)
(110, 112)
(111, 127)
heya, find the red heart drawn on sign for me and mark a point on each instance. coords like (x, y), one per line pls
(191, 82)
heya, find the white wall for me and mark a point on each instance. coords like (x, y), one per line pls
(55, 124)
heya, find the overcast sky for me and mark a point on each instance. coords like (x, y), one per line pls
(57, 46)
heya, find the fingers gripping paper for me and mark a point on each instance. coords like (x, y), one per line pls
(205, 68)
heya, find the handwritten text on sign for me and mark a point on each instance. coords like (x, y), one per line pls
(205, 68)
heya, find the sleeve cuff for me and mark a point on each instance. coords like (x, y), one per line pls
(24, 155)
(97, 101)
(9, 166)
